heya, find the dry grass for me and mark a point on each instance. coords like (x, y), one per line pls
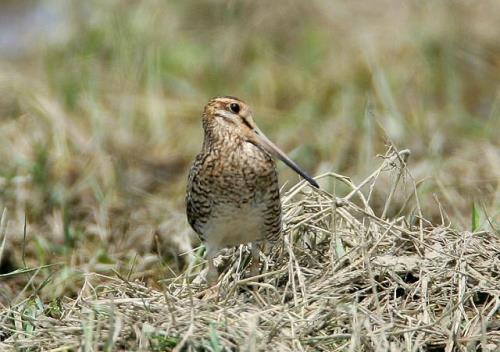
(344, 278)
(97, 132)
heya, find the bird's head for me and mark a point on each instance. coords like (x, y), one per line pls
(229, 117)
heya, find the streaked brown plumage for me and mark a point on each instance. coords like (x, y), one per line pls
(232, 194)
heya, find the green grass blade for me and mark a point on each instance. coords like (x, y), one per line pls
(474, 218)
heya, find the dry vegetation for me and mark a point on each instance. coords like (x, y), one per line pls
(343, 278)
(98, 131)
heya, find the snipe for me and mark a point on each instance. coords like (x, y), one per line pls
(233, 193)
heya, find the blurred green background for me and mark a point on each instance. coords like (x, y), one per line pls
(100, 105)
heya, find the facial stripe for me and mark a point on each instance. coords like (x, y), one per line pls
(246, 123)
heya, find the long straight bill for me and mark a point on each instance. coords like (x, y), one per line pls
(282, 156)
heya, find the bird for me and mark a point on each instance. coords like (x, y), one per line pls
(233, 194)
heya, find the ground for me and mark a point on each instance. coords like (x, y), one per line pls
(100, 120)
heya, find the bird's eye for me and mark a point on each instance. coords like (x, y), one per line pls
(234, 108)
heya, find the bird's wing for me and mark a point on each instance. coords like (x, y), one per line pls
(272, 213)
(198, 199)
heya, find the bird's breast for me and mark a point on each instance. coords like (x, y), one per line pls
(234, 195)
(240, 173)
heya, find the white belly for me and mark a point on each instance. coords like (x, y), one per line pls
(234, 226)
